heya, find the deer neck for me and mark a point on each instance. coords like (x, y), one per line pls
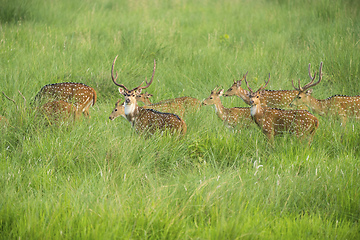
(131, 111)
(257, 112)
(318, 106)
(220, 110)
(243, 94)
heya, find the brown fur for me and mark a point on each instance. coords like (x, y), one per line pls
(231, 116)
(58, 111)
(273, 121)
(79, 94)
(270, 98)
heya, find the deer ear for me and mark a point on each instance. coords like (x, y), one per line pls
(308, 92)
(121, 91)
(138, 91)
(149, 95)
(220, 93)
(238, 84)
(262, 92)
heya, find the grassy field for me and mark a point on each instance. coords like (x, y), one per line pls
(98, 179)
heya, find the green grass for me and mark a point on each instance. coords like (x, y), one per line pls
(98, 179)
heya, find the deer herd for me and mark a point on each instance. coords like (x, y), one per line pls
(273, 111)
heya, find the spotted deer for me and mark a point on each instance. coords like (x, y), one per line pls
(337, 106)
(56, 112)
(118, 111)
(270, 98)
(179, 106)
(147, 120)
(78, 94)
(274, 121)
(232, 117)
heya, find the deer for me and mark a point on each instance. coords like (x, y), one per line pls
(54, 112)
(270, 98)
(118, 111)
(275, 121)
(78, 94)
(337, 105)
(232, 117)
(147, 120)
(179, 106)
(59, 111)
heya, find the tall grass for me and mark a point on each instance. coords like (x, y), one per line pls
(99, 179)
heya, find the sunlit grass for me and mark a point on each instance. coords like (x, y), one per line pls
(99, 179)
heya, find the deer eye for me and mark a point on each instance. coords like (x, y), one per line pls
(257, 96)
(115, 109)
(299, 97)
(211, 97)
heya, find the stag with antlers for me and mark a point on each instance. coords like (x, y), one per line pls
(179, 106)
(270, 98)
(337, 105)
(147, 120)
(274, 121)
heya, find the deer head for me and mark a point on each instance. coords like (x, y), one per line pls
(118, 110)
(214, 97)
(237, 90)
(130, 105)
(255, 97)
(304, 96)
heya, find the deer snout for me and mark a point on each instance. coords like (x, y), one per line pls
(127, 100)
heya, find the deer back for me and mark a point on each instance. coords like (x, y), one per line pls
(345, 106)
(278, 98)
(277, 121)
(149, 120)
(179, 106)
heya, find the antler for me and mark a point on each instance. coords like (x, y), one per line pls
(244, 76)
(311, 83)
(114, 79)
(147, 83)
(138, 87)
(17, 107)
(247, 84)
(261, 88)
(266, 83)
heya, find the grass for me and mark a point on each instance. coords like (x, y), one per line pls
(98, 179)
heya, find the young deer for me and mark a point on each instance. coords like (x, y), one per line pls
(337, 105)
(54, 111)
(147, 120)
(232, 117)
(118, 111)
(270, 98)
(58, 111)
(79, 94)
(274, 121)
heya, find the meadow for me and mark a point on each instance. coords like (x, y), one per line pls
(98, 179)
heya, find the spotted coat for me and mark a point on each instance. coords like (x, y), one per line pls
(232, 117)
(336, 106)
(79, 94)
(180, 106)
(58, 111)
(274, 121)
(270, 98)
